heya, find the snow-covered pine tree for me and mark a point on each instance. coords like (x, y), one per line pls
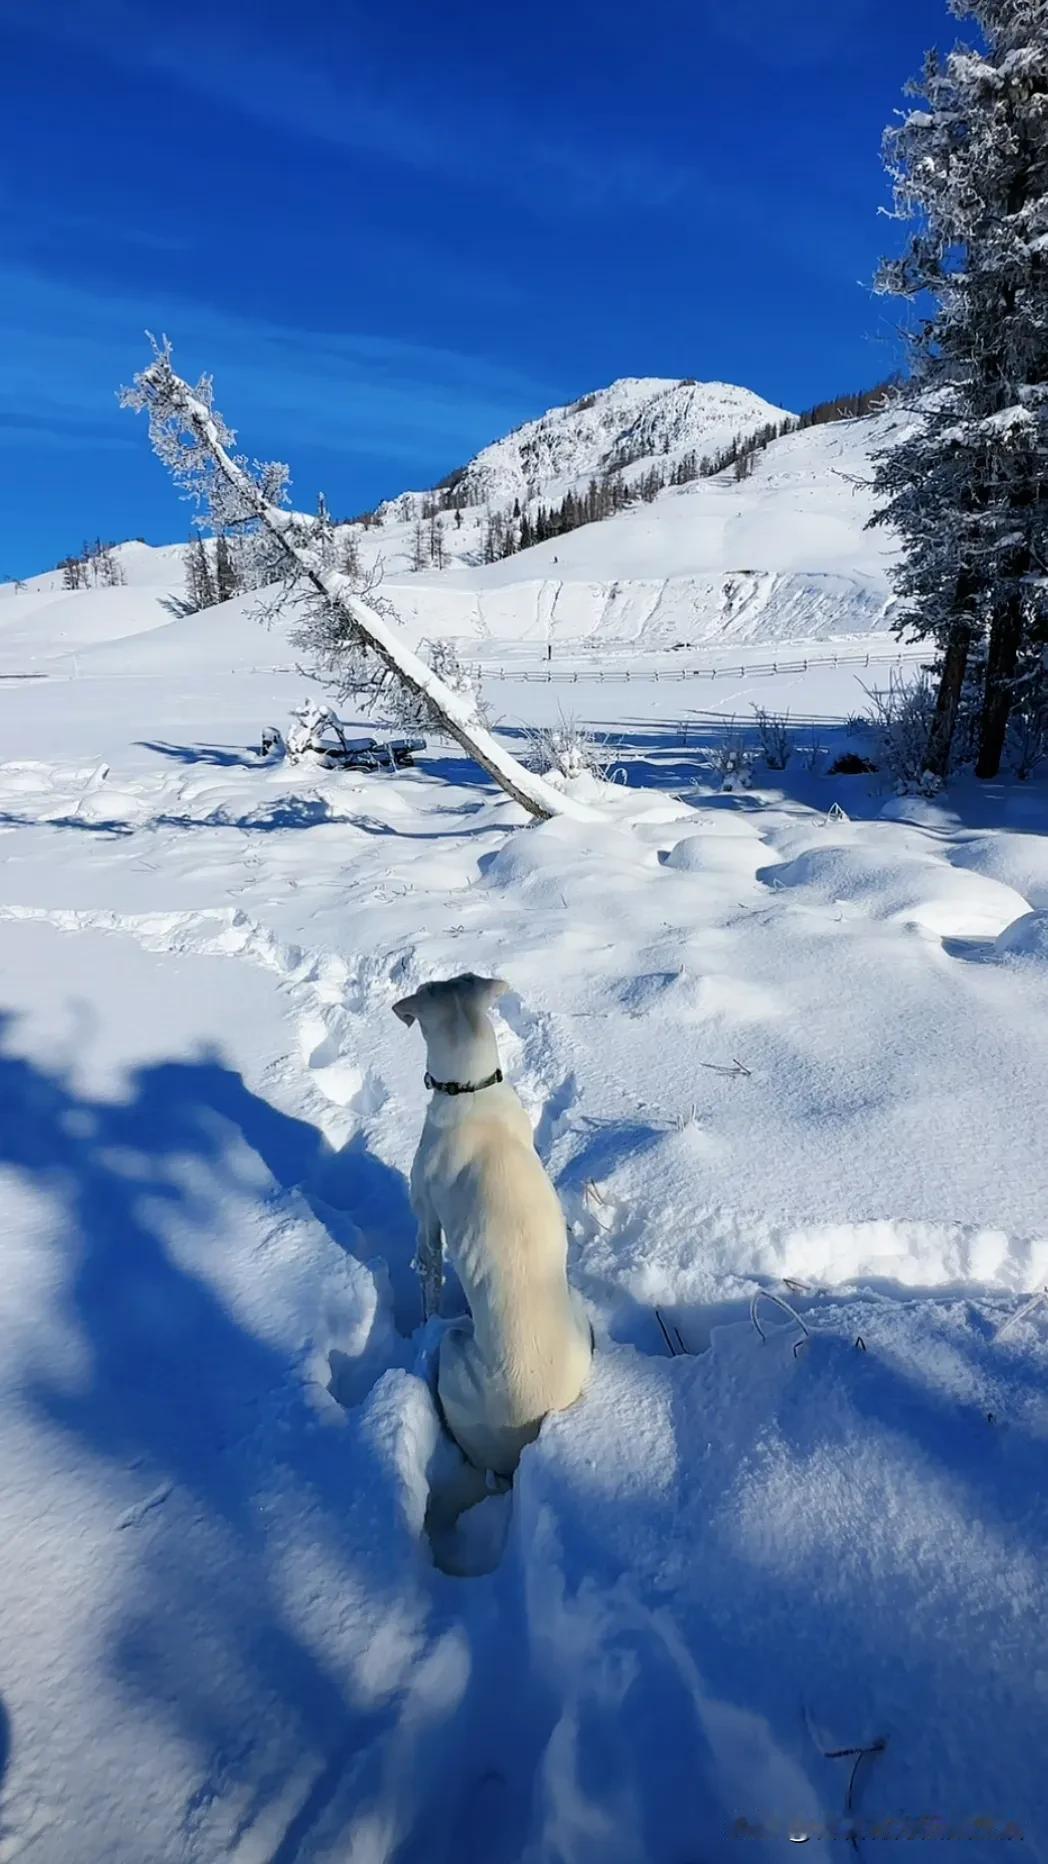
(494, 537)
(349, 563)
(200, 586)
(226, 584)
(323, 534)
(193, 441)
(74, 573)
(967, 485)
(101, 565)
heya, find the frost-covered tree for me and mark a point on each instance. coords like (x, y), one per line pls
(967, 484)
(74, 573)
(349, 563)
(495, 537)
(340, 626)
(374, 689)
(200, 586)
(226, 584)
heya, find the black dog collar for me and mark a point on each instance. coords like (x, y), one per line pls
(463, 1087)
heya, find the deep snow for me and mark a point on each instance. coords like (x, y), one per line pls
(763, 1050)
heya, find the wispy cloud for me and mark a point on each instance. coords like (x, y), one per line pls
(815, 35)
(60, 432)
(65, 349)
(475, 140)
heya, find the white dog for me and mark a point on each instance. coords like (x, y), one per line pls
(478, 1181)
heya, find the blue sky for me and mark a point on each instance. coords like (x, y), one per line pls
(392, 233)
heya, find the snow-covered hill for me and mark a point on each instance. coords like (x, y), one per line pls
(784, 554)
(637, 422)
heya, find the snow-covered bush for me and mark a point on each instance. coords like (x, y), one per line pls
(775, 736)
(569, 749)
(732, 757)
(307, 722)
(901, 717)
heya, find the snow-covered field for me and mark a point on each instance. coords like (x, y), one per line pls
(763, 1051)
(781, 1574)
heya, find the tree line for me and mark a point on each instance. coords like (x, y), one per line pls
(96, 564)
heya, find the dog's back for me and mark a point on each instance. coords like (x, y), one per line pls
(528, 1347)
(528, 1351)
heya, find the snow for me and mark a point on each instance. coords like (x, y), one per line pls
(637, 422)
(782, 556)
(764, 1049)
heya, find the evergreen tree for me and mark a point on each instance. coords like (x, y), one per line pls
(350, 563)
(965, 486)
(494, 537)
(100, 565)
(225, 569)
(74, 573)
(200, 587)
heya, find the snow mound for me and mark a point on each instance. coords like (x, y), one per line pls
(730, 849)
(1026, 937)
(915, 888)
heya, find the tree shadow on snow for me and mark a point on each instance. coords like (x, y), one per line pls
(222, 756)
(200, 1625)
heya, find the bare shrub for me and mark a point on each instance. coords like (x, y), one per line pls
(732, 757)
(775, 736)
(568, 749)
(901, 717)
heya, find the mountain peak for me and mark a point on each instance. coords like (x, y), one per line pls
(626, 428)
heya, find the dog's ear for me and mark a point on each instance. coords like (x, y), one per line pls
(490, 989)
(407, 1010)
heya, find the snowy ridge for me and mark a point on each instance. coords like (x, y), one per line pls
(787, 553)
(627, 427)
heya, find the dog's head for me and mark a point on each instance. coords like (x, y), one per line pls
(452, 1015)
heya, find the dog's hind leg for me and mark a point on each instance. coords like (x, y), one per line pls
(429, 1260)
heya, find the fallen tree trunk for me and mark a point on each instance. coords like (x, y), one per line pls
(179, 414)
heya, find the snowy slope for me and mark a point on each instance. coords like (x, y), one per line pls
(628, 427)
(784, 555)
(758, 1048)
